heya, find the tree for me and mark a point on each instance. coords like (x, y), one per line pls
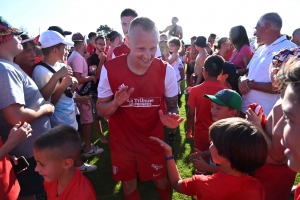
(104, 30)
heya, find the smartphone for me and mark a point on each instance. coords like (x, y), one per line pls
(21, 166)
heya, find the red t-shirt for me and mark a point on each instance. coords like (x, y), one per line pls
(223, 186)
(121, 50)
(9, 186)
(203, 119)
(277, 180)
(137, 119)
(297, 192)
(78, 188)
(27, 70)
(90, 48)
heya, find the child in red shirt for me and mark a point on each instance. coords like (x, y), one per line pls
(238, 147)
(200, 106)
(224, 104)
(55, 152)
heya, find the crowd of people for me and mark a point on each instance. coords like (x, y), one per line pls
(241, 111)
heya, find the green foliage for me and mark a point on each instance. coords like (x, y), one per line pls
(104, 30)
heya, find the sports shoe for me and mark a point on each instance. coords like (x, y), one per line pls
(171, 137)
(87, 168)
(83, 145)
(94, 151)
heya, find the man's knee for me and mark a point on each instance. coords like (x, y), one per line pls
(129, 186)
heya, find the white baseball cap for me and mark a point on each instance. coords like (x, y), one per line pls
(51, 38)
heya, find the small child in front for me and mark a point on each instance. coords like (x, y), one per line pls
(238, 147)
(55, 152)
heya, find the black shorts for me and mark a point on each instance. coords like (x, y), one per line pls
(31, 182)
(95, 115)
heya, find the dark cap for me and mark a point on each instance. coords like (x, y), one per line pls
(112, 35)
(60, 30)
(7, 31)
(78, 37)
(26, 38)
(201, 41)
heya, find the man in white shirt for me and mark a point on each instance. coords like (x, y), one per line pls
(256, 86)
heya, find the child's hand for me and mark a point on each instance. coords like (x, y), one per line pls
(64, 71)
(170, 120)
(200, 164)
(67, 81)
(196, 155)
(165, 146)
(19, 133)
(252, 117)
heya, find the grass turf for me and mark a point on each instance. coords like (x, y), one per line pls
(108, 189)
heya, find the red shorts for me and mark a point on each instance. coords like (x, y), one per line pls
(125, 168)
(277, 180)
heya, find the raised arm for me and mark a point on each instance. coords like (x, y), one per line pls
(108, 105)
(174, 176)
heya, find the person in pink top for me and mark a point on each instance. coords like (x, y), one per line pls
(242, 53)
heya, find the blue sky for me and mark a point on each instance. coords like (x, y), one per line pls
(196, 17)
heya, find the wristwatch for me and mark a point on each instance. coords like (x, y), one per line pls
(169, 158)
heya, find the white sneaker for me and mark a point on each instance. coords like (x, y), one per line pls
(94, 151)
(87, 168)
(83, 145)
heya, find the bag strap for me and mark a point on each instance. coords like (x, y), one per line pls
(48, 67)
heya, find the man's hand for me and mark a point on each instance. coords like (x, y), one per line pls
(102, 57)
(165, 146)
(243, 86)
(85, 100)
(170, 120)
(93, 78)
(19, 133)
(122, 95)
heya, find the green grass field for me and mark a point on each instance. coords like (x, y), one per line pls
(108, 189)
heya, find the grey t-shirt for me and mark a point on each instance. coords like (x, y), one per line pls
(18, 88)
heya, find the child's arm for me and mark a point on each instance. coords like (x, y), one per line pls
(275, 149)
(66, 82)
(82, 80)
(48, 89)
(17, 135)
(173, 173)
(190, 121)
(202, 165)
(173, 58)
